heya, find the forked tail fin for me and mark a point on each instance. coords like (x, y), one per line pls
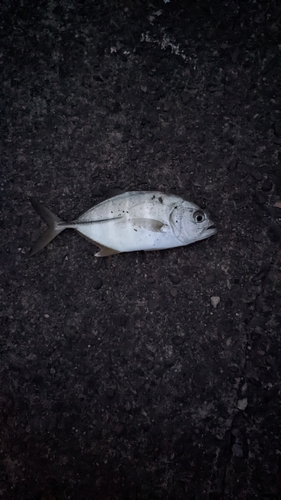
(56, 226)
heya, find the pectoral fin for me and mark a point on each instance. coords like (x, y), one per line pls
(156, 226)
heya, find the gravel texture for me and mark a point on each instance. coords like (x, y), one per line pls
(155, 375)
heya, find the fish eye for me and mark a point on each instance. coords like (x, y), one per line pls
(199, 216)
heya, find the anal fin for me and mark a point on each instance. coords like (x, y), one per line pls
(105, 251)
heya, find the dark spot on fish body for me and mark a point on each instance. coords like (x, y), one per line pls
(136, 230)
(160, 199)
(153, 197)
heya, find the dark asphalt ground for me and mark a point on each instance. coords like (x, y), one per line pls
(120, 380)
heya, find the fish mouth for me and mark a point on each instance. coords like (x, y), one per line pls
(210, 230)
(207, 232)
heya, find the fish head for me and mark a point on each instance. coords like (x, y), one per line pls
(190, 223)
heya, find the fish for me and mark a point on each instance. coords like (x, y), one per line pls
(132, 221)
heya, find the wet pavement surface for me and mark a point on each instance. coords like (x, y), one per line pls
(156, 375)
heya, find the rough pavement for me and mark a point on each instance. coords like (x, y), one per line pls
(120, 380)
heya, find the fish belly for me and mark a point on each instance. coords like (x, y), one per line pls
(127, 236)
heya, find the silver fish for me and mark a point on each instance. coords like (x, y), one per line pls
(136, 220)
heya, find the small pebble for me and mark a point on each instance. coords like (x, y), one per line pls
(259, 199)
(215, 301)
(234, 368)
(256, 175)
(128, 406)
(237, 450)
(235, 432)
(258, 237)
(174, 279)
(97, 283)
(242, 404)
(267, 186)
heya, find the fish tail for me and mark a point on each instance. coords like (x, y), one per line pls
(56, 226)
